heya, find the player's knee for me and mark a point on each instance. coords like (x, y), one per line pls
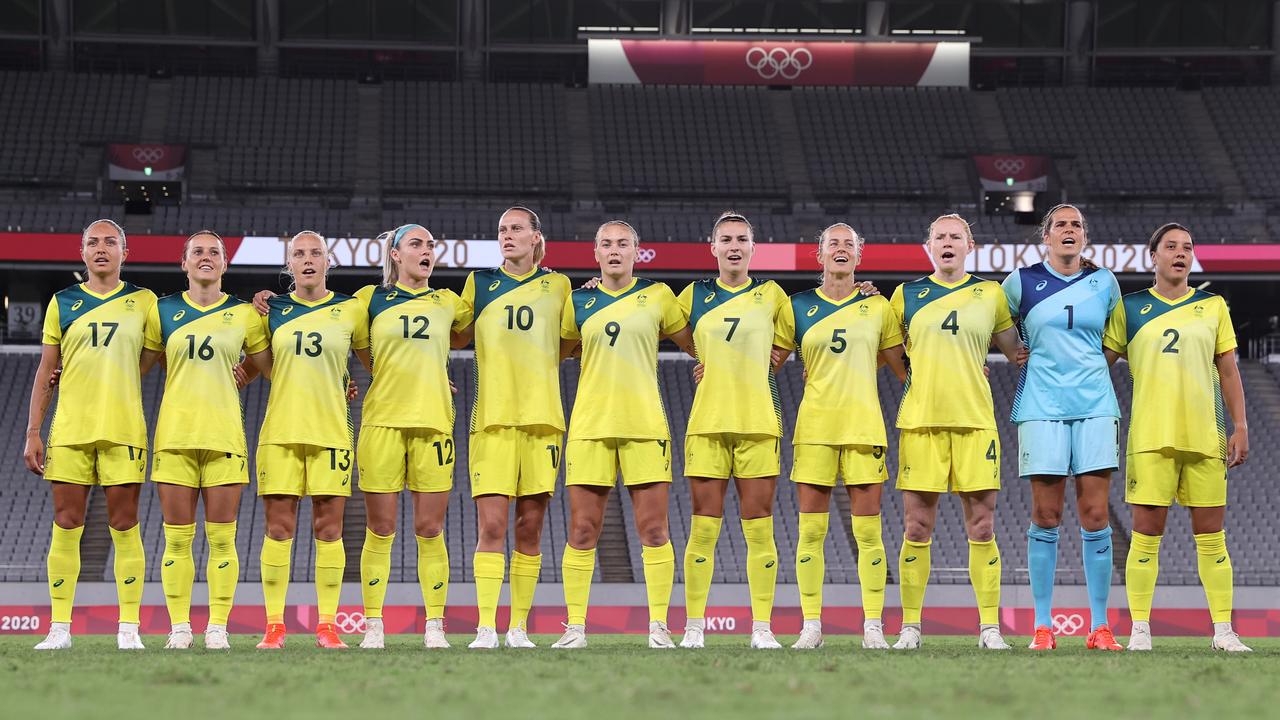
(528, 529)
(981, 529)
(1093, 516)
(280, 529)
(382, 526)
(583, 532)
(1046, 517)
(68, 518)
(491, 531)
(655, 536)
(918, 529)
(121, 520)
(427, 527)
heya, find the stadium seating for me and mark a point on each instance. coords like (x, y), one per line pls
(1246, 119)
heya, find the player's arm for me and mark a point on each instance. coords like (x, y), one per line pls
(41, 396)
(896, 358)
(148, 360)
(569, 348)
(683, 338)
(1233, 395)
(1008, 342)
(778, 357)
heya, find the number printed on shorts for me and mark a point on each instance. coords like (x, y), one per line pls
(555, 456)
(991, 451)
(444, 451)
(335, 464)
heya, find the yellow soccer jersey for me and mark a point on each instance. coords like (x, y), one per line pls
(201, 406)
(948, 330)
(734, 331)
(1171, 344)
(409, 339)
(839, 344)
(618, 394)
(100, 390)
(517, 335)
(310, 345)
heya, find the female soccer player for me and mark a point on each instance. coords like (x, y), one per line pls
(618, 323)
(517, 421)
(735, 427)
(305, 444)
(99, 435)
(1067, 414)
(948, 439)
(841, 334)
(406, 430)
(1181, 351)
(199, 443)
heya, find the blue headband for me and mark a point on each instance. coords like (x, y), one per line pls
(402, 231)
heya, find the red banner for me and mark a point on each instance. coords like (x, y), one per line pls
(130, 162)
(1013, 173)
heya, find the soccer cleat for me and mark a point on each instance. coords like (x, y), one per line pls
(486, 639)
(1102, 639)
(810, 636)
(660, 636)
(762, 638)
(693, 637)
(179, 637)
(1140, 636)
(215, 638)
(127, 637)
(59, 637)
(1230, 642)
(574, 637)
(373, 635)
(873, 636)
(518, 637)
(274, 637)
(1043, 639)
(327, 637)
(909, 638)
(433, 637)
(989, 638)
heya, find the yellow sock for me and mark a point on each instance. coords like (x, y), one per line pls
(984, 575)
(276, 556)
(331, 563)
(64, 571)
(577, 567)
(659, 576)
(913, 573)
(700, 563)
(488, 568)
(811, 562)
(433, 574)
(222, 570)
(524, 579)
(1215, 574)
(130, 568)
(1140, 571)
(178, 571)
(762, 566)
(375, 568)
(872, 568)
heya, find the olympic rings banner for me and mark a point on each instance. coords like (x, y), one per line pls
(737, 62)
(130, 162)
(1030, 173)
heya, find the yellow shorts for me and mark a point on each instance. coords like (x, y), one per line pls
(729, 455)
(1159, 477)
(199, 468)
(304, 470)
(855, 464)
(391, 458)
(597, 462)
(100, 463)
(514, 461)
(946, 460)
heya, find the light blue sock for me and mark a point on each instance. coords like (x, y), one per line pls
(1097, 572)
(1042, 564)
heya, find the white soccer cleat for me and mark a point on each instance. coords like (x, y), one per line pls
(127, 637)
(374, 637)
(574, 637)
(1140, 636)
(762, 637)
(810, 636)
(660, 636)
(873, 636)
(215, 638)
(59, 637)
(433, 637)
(179, 637)
(909, 638)
(486, 639)
(517, 637)
(693, 637)
(1230, 642)
(989, 638)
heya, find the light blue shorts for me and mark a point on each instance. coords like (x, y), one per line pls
(1068, 447)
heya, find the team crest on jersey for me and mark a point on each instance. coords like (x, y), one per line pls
(863, 310)
(129, 304)
(977, 292)
(287, 310)
(1145, 309)
(76, 305)
(495, 285)
(813, 310)
(1093, 283)
(1199, 311)
(335, 313)
(641, 300)
(923, 293)
(705, 300)
(759, 296)
(589, 304)
(179, 315)
(1041, 285)
(227, 317)
(435, 298)
(546, 285)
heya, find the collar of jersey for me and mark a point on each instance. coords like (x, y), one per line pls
(519, 278)
(950, 286)
(104, 296)
(317, 303)
(617, 293)
(1190, 291)
(845, 301)
(1064, 278)
(411, 291)
(202, 308)
(735, 290)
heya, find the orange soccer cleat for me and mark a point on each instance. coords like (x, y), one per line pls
(327, 637)
(1043, 639)
(1102, 639)
(274, 638)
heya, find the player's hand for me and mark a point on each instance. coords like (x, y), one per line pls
(260, 301)
(352, 391)
(33, 453)
(53, 379)
(698, 371)
(1238, 447)
(241, 376)
(591, 283)
(777, 356)
(453, 388)
(986, 371)
(866, 287)
(1024, 354)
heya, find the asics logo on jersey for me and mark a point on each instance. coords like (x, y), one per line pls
(994, 560)
(1104, 550)
(923, 293)
(700, 559)
(373, 582)
(590, 303)
(1144, 560)
(709, 298)
(223, 565)
(495, 285)
(1041, 285)
(179, 315)
(806, 558)
(391, 295)
(877, 561)
(287, 310)
(58, 582)
(1221, 560)
(1145, 309)
(909, 558)
(769, 564)
(167, 563)
(437, 586)
(813, 310)
(129, 580)
(76, 305)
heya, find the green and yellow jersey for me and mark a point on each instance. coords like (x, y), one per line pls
(618, 394)
(101, 339)
(517, 337)
(409, 340)
(839, 344)
(948, 328)
(734, 331)
(201, 407)
(310, 345)
(1171, 346)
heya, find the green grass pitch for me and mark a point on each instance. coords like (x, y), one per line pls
(617, 678)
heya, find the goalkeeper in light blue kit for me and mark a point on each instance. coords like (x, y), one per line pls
(1067, 415)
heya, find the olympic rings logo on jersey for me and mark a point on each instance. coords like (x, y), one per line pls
(349, 623)
(644, 255)
(779, 62)
(1010, 165)
(1067, 624)
(146, 154)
